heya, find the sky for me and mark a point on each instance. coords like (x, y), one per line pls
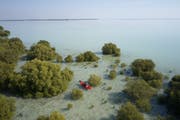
(59, 9)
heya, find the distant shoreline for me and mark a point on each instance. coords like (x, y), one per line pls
(83, 19)
(49, 19)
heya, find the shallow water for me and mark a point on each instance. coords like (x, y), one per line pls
(155, 39)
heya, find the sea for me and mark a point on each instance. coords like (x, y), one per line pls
(156, 39)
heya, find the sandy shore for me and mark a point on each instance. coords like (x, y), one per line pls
(96, 104)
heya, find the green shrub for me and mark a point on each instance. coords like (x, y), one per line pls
(139, 89)
(94, 80)
(59, 58)
(76, 94)
(155, 83)
(109, 88)
(142, 65)
(67, 74)
(69, 106)
(111, 49)
(42, 51)
(68, 59)
(123, 65)
(3, 32)
(143, 105)
(129, 112)
(87, 57)
(173, 95)
(7, 108)
(53, 116)
(117, 61)
(112, 74)
(40, 79)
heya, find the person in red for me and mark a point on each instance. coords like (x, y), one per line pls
(85, 85)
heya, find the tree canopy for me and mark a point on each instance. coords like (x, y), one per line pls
(3, 32)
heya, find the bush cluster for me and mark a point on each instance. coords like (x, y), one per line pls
(140, 92)
(94, 80)
(111, 49)
(42, 51)
(7, 108)
(112, 74)
(129, 112)
(3, 32)
(68, 59)
(76, 94)
(53, 116)
(144, 68)
(87, 57)
(41, 79)
(173, 98)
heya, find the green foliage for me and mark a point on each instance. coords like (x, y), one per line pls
(7, 108)
(68, 59)
(94, 80)
(143, 105)
(59, 58)
(112, 74)
(67, 74)
(142, 65)
(69, 106)
(139, 89)
(53, 116)
(10, 50)
(155, 83)
(87, 57)
(123, 65)
(144, 68)
(4, 33)
(173, 98)
(40, 79)
(6, 71)
(76, 94)
(42, 51)
(111, 49)
(129, 112)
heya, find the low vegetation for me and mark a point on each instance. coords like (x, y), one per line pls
(41, 79)
(7, 108)
(76, 94)
(94, 80)
(140, 92)
(42, 51)
(129, 112)
(173, 95)
(111, 49)
(87, 57)
(144, 68)
(53, 116)
(68, 59)
(112, 74)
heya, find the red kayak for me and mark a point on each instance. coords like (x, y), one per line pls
(85, 85)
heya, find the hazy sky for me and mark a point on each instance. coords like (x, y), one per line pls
(24, 9)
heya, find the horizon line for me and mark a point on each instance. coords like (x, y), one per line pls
(72, 19)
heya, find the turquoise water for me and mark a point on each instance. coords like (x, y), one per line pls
(155, 39)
